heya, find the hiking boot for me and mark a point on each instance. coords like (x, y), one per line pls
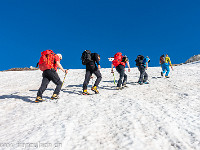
(166, 76)
(140, 83)
(39, 99)
(146, 82)
(54, 96)
(119, 88)
(162, 74)
(94, 88)
(85, 92)
(124, 85)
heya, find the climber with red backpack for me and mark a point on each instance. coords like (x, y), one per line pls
(120, 62)
(48, 63)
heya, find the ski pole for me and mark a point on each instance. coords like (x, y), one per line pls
(63, 80)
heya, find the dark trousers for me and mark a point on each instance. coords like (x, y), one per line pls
(121, 70)
(50, 75)
(143, 75)
(87, 78)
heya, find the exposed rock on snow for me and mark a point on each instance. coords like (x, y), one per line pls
(193, 59)
(22, 69)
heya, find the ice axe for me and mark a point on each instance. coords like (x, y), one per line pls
(114, 77)
(111, 59)
(64, 80)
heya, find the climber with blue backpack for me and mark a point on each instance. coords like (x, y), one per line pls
(165, 62)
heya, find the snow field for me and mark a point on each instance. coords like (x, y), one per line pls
(163, 115)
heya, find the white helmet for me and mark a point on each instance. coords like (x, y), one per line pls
(60, 56)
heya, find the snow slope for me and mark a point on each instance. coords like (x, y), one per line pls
(164, 115)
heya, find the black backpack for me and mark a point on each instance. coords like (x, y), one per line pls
(139, 60)
(86, 57)
(125, 58)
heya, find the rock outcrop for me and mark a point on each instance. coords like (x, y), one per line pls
(193, 59)
(22, 69)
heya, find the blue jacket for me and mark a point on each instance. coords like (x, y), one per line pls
(145, 60)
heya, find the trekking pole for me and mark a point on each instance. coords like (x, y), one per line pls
(114, 77)
(63, 80)
(111, 59)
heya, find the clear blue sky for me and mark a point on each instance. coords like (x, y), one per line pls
(147, 27)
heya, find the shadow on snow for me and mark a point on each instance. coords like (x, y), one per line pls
(24, 98)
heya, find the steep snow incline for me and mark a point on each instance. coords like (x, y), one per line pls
(160, 116)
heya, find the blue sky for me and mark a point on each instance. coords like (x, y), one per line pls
(147, 27)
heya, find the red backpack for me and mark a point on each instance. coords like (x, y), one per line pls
(47, 60)
(118, 60)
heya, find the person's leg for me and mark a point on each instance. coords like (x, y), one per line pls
(45, 82)
(56, 80)
(125, 80)
(163, 68)
(168, 70)
(87, 79)
(120, 70)
(142, 72)
(145, 77)
(99, 77)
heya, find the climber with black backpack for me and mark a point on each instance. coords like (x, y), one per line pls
(90, 60)
(142, 64)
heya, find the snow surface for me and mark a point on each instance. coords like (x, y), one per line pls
(164, 115)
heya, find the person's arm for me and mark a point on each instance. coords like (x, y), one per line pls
(172, 67)
(129, 69)
(112, 68)
(99, 67)
(146, 65)
(170, 63)
(97, 60)
(60, 66)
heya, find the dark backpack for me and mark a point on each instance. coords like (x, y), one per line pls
(86, 57)
(125, 58)
(139, 60)
(162, 59)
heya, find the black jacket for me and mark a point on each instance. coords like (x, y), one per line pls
(92, 65)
